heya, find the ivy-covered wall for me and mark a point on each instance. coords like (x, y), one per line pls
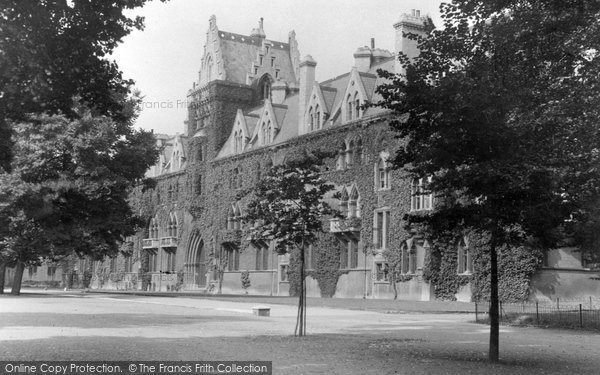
(516, 266)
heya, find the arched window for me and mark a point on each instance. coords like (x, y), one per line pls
(269, 132)
(317, 120)
(412, 259)
(264, 133)
(264, 87)
(341, 160)
(353, 203)
(236, 217)
(382, 176)
(356, 106)
(350, 154)
(153, 229)
(209, 69)
(349, 111)
(311, 120)
(358, 154)
(173, 226)
(230, 218)
(465, 263)
(344, 203)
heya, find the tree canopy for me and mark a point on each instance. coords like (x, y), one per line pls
(68, 189)
(502, 107)
(288, 209)
(54, 51)
(289, 204)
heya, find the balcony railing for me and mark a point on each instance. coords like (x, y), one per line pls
(344, 225)
(150, 243)
(168, 242)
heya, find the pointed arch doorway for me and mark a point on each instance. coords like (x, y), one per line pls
(196, 263)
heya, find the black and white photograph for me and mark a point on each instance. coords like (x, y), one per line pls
(299, 187)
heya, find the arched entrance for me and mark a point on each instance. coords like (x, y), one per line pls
(195, 263)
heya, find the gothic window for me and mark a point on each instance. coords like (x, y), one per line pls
(381, 224)
(412, 259)
(356, 106)
(153, 229)
(353, 203)
(350, 154)
(465, 263)
(209, 69)
(172, 228)
(234, 217)
(344, 203)
(317, 117)
(264, 87)
(382, 175)
(349, 111)
(358, 154)
(311, 120)
(264, 133)
(421, 199)
(341, 161)
(269, 132)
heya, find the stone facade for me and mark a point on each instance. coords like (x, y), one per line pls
(255, 103)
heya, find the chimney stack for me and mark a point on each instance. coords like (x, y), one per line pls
(408, 23)
(307, 81)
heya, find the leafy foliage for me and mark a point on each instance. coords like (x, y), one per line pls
(54, 51)
(289, 206)
(501, 107)
(68, 189)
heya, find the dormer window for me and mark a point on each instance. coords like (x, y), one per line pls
(264, 86)
(356, 106)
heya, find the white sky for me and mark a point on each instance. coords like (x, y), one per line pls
(164, 58)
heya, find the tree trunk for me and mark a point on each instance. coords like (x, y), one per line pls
(494, 354)
(301, 317)
(393, 281)
(2, 276)
(18, 278)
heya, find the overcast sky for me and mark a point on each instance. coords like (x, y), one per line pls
(164, 58)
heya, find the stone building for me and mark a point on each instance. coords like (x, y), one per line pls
(254, 103)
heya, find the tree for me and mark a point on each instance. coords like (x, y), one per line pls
(53, 51)
(288, 209)
(501, 107)
(67, 192)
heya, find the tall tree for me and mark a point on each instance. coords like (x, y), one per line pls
(288, 208)
(502, 107)
(68, 189)
(56, 50)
